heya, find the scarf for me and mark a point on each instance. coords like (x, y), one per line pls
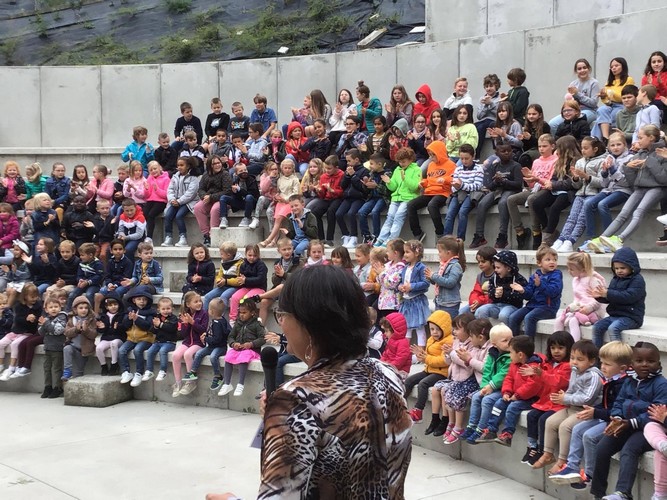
(441, 271)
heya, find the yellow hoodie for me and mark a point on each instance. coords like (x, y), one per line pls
(435, 359)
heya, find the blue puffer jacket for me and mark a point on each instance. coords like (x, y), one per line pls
(546, 295)
(637, 395)
(58, 190)
(626, 296)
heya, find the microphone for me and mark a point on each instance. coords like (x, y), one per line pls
(269, 357)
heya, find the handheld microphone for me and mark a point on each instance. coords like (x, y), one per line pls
(269, 357)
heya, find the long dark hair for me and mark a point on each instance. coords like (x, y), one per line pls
(623, 77)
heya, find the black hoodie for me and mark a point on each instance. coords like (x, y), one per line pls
(509, 296)
(113, 328)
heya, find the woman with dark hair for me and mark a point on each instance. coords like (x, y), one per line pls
(340, 429)
(610, 95)
(399, 106)
(368, 108)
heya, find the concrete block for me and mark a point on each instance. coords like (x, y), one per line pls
(573, 11)
(195, 83)
(96, 391)
(320, 73)
(637, 5)
(130, 97)
(627, 36)
(377, 68)
(492, 54)
(453, 19)
(550, 56)
(513, 16)
(241, 80)
(415, 64)
(240, 235)
(71, 106)
(22, 103)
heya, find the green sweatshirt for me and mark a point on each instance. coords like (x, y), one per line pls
(404, 184)
(495, 368)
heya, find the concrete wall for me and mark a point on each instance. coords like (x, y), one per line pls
(96, 107)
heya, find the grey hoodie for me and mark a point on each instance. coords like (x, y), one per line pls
(53, 331)
(584, 388)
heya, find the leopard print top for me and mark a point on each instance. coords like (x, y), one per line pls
(340, 430)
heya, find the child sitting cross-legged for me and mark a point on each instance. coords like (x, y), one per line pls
(165, 328)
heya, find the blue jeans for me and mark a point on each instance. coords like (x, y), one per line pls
(42, 288)
(225, 293)
(481, 407)
(584, 440)
(373, 208)
(398, 211)
(452, 311)
(614, 325)
(89, 291)
(236, 203)
(120, 290)
(462, 210)
(511, 410)
(177, 213)
(529, 315)
(300, 246)
(124, 351)
(497, 310)
(603, 203)
(163, 348)
(346, 215)
(214, 352)
(284, 359)
(606, 114)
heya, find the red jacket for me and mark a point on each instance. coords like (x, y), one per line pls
(524, 388)
(477, 293)
(554, 378)
(427, 108)
(292, 146)
(397, 351)
(334, 183)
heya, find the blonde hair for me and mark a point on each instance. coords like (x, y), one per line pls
(498, 331)
(379, 254)
(618, 136)
(12, 163)
(616, 352)
(39, 197)
(229, 247)
(307, 178)
(33, 172)
(582, 261)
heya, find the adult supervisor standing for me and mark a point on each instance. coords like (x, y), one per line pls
(341, 429)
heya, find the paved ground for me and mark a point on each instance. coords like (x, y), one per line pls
(143, 450)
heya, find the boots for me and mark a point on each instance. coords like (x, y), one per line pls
(435, 421)
(537, 240)
(522, 240)
(114, 369)
(442, 427)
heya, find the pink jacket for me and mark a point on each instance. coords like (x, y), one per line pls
(582, 296)
(543, 168)
(267, 187)
(9, 231)
(138, 194)
(157, 187)
(105, 190)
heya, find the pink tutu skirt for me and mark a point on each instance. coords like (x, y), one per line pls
(236, 357)
(282, 209)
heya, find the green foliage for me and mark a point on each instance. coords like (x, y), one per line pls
(178, 6)
(178, 49)
(378, 21)
(126, 12)
(97, 51)
(8, 52)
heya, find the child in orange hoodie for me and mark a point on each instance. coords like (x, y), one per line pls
(436, 189)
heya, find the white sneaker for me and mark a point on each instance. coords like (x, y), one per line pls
(557, 244)
(168, 241)
(239, 390)
(188, 388)
(176, 390)
(346, 239)
(182, 241)
(245, 222)
(225, 389)
(254, 224)
(160, 376)
(147, 376)
(136, 380)
(566, 247)
(6, 375)
(125, 377)
(223, 223)
(21, 372)
(663, 219)
(351, 243)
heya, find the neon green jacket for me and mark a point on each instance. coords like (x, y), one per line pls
(495, 368)
(404, 184)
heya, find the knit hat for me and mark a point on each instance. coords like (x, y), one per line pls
(81, 299)
(509, 259)
(398, 323)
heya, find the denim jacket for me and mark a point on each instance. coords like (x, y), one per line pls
(448, 284)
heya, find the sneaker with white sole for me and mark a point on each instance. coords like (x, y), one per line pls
(223, 223)
(245, 222)
(7, 373)
(612, 242)
(21, 372)
(662, 219)
(175, 390)
(566, 247)
(126, 377)
(239, 390)
(351, 243)
(225, 389)
(595, 245)
(160, 376)
(147, 376)
(136, 380)
(344, 241)
(182, 241)
(557, 244)
(168, 241)
(254, 224)
(188, 387)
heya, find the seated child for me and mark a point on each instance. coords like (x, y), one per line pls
(137, 323)
(504, 298)
(615, 358)
(584, 389)
(226, 282)
(480, 291)
(301, 225)
(495, 369)
(165, 328)
(112, 335)
(246, 339)
(252, 279)
(26, 314)
(80, 333)
(435, 364)
(78, 222)
(43, 265)
(376, 340)
(201, 270)
(397, 351)
(215, 339)
(193, 323)
(67, 268)
(52, 328)
(117, 278)
(18, 272)
(6, 315)
(131, 226)
(89, 275)
(147, 270)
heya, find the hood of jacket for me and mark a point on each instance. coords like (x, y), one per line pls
(116, 297)
(627, 256)
(140, 291)
(426, 90)
(292, 125)
(398, 324)
(442, 320)
(509, 259)
(402, 125)
(439, 149)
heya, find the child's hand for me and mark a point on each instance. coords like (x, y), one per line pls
(557, 397)
(156, 322)
(447, 348)
(278, 271)
(486, 390)
(463, 355)
(586, 413)
(126, 282)
(528, 371)
(31, 318)
(657, 413)
(404, 288)
(378, 267)
(598, 291)
(474, 306)
(82, 284)
(186, 318)
(616, 427)
(272, 338)
(507, 397)
(41, 320)
(514, 286)
(368, 286)
(428, 273)
(536, 279)
(44, 257)
(132, 315)
(241, 280)
(5, 268)
(202, 337)
(385, 178)
(236, 346)
(145, 280)
(196, 278)
(498, 292)
(99, 324)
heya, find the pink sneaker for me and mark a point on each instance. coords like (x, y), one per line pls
(449, 430)
(453, 436)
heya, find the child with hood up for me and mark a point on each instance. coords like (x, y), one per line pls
(397, 351)
(425, 104)
(504, 299)
(137, 322)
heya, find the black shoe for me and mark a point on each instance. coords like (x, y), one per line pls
(369, 239)
(105, 370)
(57, 392)
(537, 240)
(421, 237)
(441, 428)
(435, 421)
(522, 240)
(501, 241)
(478, 241)
(207, 240)
(114, 369)
(47, 392)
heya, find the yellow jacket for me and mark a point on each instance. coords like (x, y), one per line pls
(435, 359)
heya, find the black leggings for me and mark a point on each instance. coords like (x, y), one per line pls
(536, 421)
(424, 381)
(152, 209)
(555, 204)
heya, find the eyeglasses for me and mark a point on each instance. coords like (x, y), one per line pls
(280, 315)
(420, 121)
